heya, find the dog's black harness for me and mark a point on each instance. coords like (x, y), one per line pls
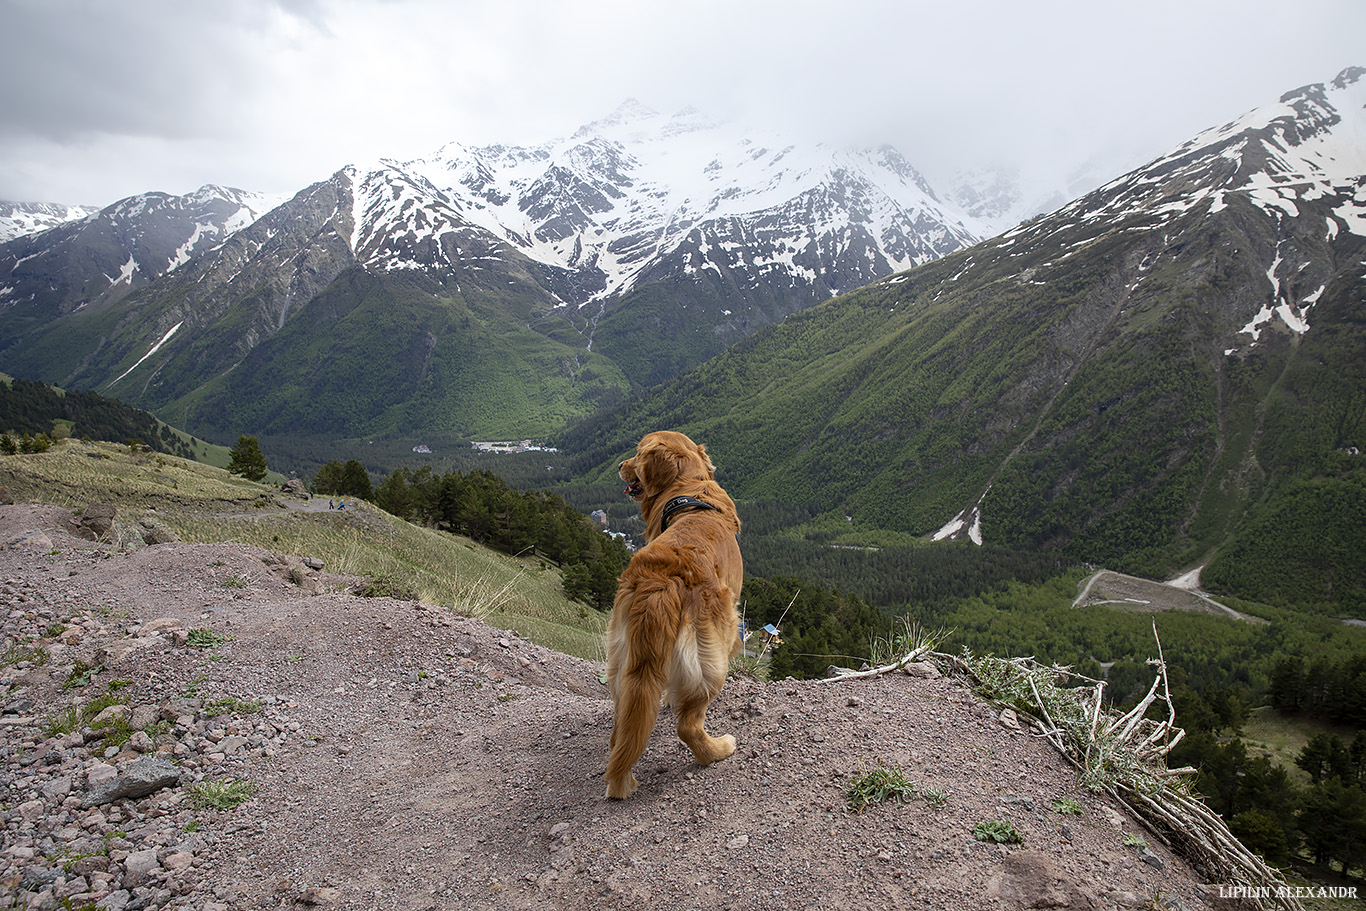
(679, 504)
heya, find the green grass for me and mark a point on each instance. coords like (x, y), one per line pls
(230, 706)
(208, 505)
(206, 638)
(1068, 807)
(222, 794)
(878, 785)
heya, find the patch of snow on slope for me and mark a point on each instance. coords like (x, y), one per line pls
(951, 527)
(126, 272)
(183, 252)
(164, 339)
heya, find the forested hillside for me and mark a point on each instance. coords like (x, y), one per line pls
(37, 408)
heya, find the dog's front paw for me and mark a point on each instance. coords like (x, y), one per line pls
(620, 790)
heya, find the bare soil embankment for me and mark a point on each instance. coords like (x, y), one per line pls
(405, 757)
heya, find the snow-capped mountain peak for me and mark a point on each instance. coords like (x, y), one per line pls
(625, 191)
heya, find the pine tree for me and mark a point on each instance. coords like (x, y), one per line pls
(247, 459)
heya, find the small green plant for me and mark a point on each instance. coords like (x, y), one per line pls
(100, 703)
(18, 653)
(234, 582)
(997, 830)
(1068, 807)
(386, 585)
(80, 675)
(206, 638)
(63, 722)
(119, 683)
(1135, 841)
(906, 638)
(230, 706)
(191, 689)
(118, 732)
(935, 797)
(294, 659)
(878, 785)
(223, 794)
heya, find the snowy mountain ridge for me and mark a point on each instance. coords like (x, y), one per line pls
(20, 218)
(624, 191)
(103, 255)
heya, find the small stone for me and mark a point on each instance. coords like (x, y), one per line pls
(178, 861)
(116, 900)
(57, 788)
(99, 773)
(1010, 720)
(737, 843)
(319, 895)
(111, 716)
(229, 745)
(158, 625)
(138, 867)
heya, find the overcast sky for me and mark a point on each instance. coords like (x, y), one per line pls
(107, 98)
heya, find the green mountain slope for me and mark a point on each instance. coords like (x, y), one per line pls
(1111, 380)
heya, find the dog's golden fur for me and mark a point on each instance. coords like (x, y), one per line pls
(674, 626)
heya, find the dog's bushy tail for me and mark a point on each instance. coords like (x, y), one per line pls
(639, 661)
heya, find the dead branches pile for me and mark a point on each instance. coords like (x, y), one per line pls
(1124, 755)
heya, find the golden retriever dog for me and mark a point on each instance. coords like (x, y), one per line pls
(674, 625)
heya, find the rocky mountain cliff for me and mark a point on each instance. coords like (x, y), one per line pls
(99, 259)
(1169, 368)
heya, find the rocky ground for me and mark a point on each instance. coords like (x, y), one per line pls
(398, 756)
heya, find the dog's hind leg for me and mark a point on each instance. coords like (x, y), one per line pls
(699, 672)
(692, 717)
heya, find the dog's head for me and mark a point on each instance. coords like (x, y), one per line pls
(662, 459)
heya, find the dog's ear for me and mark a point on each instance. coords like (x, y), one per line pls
(706, 460)
(656, 466)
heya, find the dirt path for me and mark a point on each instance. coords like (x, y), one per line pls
(403, 757)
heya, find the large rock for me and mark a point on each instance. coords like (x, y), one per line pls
(153, 532)
(143, 777)
(295, 488)
(96, 522)
(1028, 879)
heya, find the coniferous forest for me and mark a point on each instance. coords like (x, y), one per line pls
(37, 408)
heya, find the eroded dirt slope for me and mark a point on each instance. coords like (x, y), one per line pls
(404, 757)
